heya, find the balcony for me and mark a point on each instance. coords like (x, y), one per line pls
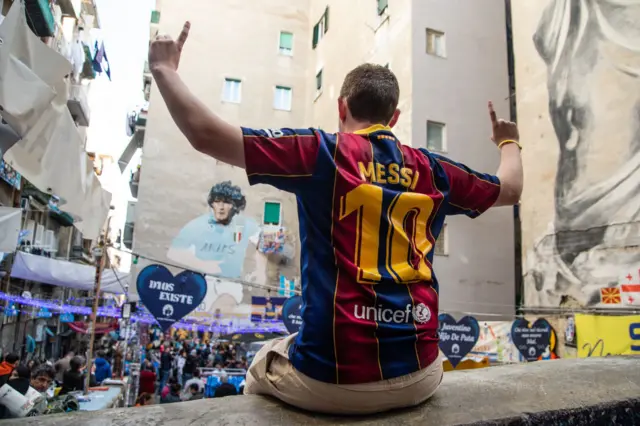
(127, 235)
(136, 142)
(134, 182)
(78, 104)
(89, 8)
(40, 17)
(71, 8)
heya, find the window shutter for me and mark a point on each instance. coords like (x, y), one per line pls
(382, 5)
(271, 213)
(286, 40)
(315, 37)
(326, 19)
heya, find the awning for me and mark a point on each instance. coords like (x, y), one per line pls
(66, 274)
(101, 328)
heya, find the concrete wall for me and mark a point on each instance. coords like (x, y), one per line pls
(578, 93)
(176, 180)
(478, 274)
(590, 391)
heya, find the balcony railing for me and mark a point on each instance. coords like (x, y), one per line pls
(78, 104)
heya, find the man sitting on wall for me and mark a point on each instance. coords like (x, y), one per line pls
(370, 211)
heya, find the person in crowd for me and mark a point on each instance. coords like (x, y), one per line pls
(193, 392)
(7, 366)
(144, 399)
(103, 368)
(147, 379)
(197, 380)
(62, 365)
(20, 379)
(173, 395)
(42, 377)
(167, 387)
(335, 177)
(225, 388)
(180, 361)
(166, 363)
(190, 366)
(74, 378)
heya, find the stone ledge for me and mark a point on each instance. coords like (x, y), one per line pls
(568, 392)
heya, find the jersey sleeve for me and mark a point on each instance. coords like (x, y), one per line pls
(469, 192)
(283, 158)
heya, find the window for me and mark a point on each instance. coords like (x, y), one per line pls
(319, 82)
(321, 27)
(286, 43)
(436, 137)
(382, 6)
(232, 90)
(441, 247)
(282, 99)
(272, 213)
(435, 43)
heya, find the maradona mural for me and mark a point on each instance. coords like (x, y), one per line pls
(217, 241)
(582, 247)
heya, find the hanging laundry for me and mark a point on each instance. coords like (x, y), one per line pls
(78, 59)
(87, 69)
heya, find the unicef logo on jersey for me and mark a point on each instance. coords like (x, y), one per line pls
(420, 314)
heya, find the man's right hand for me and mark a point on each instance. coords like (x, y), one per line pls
(502, 130)
(164, 53)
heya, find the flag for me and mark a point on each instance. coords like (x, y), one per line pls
(237, 236)
(610, 295)
(631, 294)
(100, 61)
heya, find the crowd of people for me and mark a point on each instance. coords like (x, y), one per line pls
(173, 371)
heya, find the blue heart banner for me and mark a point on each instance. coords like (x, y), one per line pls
(292, 313)
(457, 338)
(169, 298)
(531, 340)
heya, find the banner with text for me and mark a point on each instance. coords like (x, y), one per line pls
(599, 335)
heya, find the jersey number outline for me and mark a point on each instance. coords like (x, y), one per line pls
(400, 247)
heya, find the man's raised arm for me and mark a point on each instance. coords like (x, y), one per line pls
(506, 136)
(206, 132)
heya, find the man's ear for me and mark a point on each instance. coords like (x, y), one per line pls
(394, 118)
(342, 109)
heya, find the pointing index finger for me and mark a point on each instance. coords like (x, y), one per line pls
(184, 34)
(492, 114)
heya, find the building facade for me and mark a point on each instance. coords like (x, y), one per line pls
(281, 64)
(578, 82)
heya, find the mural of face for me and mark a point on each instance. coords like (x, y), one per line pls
(591, 51)
(222, 211)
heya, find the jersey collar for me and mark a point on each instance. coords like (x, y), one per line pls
(371, 129)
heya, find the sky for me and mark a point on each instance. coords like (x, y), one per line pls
(125, 33)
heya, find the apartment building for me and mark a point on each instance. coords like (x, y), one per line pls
(281, 64)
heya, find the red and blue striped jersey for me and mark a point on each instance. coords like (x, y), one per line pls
(370, 210)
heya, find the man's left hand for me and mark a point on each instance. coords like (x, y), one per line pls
(164, 52)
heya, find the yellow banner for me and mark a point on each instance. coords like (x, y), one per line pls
(599, 335)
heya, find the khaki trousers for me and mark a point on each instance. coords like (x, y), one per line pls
(271, 373)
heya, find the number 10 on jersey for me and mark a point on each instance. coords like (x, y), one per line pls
(400, 247)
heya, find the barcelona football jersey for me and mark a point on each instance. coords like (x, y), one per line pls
(370, 210)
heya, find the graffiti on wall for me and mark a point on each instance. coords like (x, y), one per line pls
(591, 51)
(217, 241)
